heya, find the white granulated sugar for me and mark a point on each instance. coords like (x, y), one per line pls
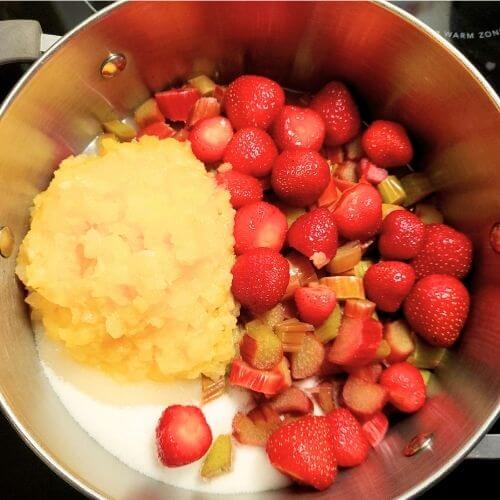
(123, 418)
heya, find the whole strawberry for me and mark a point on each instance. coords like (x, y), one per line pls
(339, 111)
(243, 188)
(303, 449)
(260, 278)
(300, 176)
(251, 151)
(401, 235)
(387, 144)
(253, 101)
(445, 251)
(387, 283)
(358, 213)
(349, 442)
(314, 304)
(314, 235)
(437, 308)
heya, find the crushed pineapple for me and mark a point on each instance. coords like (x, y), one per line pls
(128, 262)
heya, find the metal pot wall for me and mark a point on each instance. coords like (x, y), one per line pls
(397, 67)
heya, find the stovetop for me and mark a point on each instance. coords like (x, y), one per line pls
(472, 27)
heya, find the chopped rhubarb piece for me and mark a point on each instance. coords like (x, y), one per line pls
(346, 172)
(148, 112)
(158, 129)
(361, 267)
(392, 191)
(425, 355)
(203, 84)
(359, 308)
(363, 398)
(265, 417)
(330, 328)
(291, 213)
(370, 172)
(368, 373)
(417, 186)
(211, 389)
(329, 395)
(307, 361)
(218, 459)
(335, 154)
(292, 400)
(330, 195)
(275, 315)
(353, 149)
(328, 369)
(384, 350)
(283, 369)
(292, 332)
(357, 342)
(177, 104)
(106, 143)
(428, 213)
(426, 375)
(246, 432)
(123, 131)
(265, 381)
(398, 336)
(342, 186)
(345, 287)
(347, 256)
(301, 272)
(375, 428)
(261, 348)
(220, 92)
(205, 107)
(387, 208)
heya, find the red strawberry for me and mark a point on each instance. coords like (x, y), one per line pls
(401, 235)
(339, 111)
(444, 251)
(251, 151)
(242, 188)
(375, 428)
(210, 137)
(437, 308)
(303, 449)
(387, 283)
(264, 381)
(253, 101)
(358, 213)
(298, 128)
(177, 104)
(300, 176)
(260, 278)
(182, 435)
(405, 386)
(259, 224)
(349, 442)
(314, 234)
(387, 144)
(158, 129)
(314, 304)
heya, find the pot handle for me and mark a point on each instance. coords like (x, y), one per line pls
(487, 449)
(23, 40)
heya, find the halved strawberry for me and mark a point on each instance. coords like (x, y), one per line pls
(307, 361)
(314, 304)
(242, 188)
(182, 435)
(158, 129)
(265, 381)
(292, 400)
(349, 442)
(375, 428)
(358, 213)
(314, 234)
(362, 397)
(210, 137)
(303, 450)
(257, 225)
(368, 373)
(356, 343)
(205, 107)
(298, 127)
(177, 104)
(398, 336)
(405, 387)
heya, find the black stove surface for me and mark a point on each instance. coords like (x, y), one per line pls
(472, 27)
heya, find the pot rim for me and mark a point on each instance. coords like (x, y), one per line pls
(81, 484)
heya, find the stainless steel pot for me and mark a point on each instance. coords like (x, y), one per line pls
(397, 66)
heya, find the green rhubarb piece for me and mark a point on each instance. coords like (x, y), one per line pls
(425, 356)
(330, 328)
(218, 459)
(123, 131)
(361, 267)
(426, 375)
(148, 112)
(292, 214)
(417, 186)
(391, 190)
(428, 213)
(203, 83)
(383, 350)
